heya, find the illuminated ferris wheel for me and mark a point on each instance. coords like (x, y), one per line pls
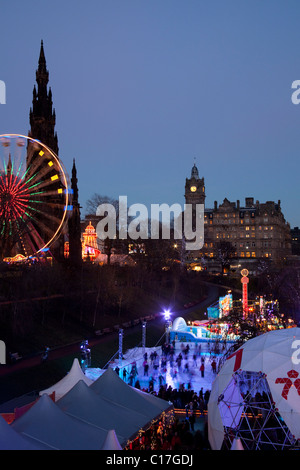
(34, 197)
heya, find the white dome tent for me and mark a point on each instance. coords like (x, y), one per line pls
(255, 398)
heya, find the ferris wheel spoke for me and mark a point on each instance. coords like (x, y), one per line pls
(52, 217)
(34, 196)
(38, 168)
(39, 226)
(42, 184)
(37, 176)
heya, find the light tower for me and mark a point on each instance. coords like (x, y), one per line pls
(245, 281)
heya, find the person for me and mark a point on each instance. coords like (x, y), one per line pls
(202, 368)
(134, 370)
(138, 385)
(160, 430)
(151, 385)
(206, 398)
(214, 366)
(45, 354)
(175, 441)
(201, 405)
(146, 367)
(117, 370)
(195, 359)
(124, 374)
(192, 420)
(131, 377)
(178, 361)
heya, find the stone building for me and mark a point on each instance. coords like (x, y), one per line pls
(295, 234)
(236, 232)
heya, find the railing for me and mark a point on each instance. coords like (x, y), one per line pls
(110, 360)
(160, 339)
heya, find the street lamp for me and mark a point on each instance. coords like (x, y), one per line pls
(167, 315)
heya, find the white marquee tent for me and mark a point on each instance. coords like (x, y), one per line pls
(87, 406)
(12, 440)
(114, 390)
(106, 414)
(66, 383)
(46, 423)
(111, 442)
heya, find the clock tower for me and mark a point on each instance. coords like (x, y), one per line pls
(194, 188)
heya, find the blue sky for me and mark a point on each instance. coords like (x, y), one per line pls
(141, 88)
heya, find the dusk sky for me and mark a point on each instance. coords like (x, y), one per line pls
(143, 88)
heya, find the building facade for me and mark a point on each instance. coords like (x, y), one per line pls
(295, 234)
(233, 231)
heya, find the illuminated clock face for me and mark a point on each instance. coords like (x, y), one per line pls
(193, 189)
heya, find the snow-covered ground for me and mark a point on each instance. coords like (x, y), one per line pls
(188, 373)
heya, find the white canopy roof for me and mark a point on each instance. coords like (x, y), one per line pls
(47, 424)
(12, 440)
(106, 414)
(114, 390)
(86, 405)
(111, 441)
(67, 382)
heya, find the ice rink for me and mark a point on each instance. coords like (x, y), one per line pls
(165, 370)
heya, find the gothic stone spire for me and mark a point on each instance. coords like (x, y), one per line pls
(42, 116)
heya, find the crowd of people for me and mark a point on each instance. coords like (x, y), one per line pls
(174, 437)
(151, 377)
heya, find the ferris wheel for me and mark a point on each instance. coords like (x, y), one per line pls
(34, 197)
